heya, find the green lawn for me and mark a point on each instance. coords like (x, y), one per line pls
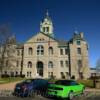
(11, 79)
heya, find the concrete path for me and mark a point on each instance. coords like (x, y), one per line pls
(8, 86)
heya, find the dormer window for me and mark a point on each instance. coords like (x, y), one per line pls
(78, 42)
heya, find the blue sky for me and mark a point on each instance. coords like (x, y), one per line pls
(24, 18)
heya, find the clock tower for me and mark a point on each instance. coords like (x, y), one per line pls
(46, 26)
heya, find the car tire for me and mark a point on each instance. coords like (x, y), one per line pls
(71, 96)
(83, 91)
(32, 93)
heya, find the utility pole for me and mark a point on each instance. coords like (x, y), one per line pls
(69, 60)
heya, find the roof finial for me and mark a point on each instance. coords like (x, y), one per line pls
(76, 32)
(47, 13)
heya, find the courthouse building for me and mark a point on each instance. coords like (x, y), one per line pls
(46, 56)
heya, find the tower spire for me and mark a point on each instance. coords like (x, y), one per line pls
(46, 26)
(47, 13)
(76, 31)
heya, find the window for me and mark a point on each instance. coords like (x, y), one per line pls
(30, 74)
(17, 63)
(29, 64)
(50, 74)
(16, 73)
(79, 50)
(40, 50)
(7, 63)
(62, 75)
(66, 63)
(43, 29)
(5, 72)
(66, 51)
(47, 29)
(61, 51)
(50, 64)
(50, 50)
(61, 63)
(21, 63)
(27, 74)
(67, 74)
(30, 51)
(79, 63)
(18, 52)
(78, 42)
(81, 75)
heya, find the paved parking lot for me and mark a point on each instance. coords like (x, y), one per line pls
(88, 95)
(6, 94)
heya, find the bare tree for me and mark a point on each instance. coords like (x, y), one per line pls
(5, 36)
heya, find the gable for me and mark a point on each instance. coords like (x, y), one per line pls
(40, 37)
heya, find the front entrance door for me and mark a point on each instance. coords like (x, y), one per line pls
(40, 68)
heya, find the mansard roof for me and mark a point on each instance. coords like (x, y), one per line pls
(76, 37)
(62, 43)
(19, 46)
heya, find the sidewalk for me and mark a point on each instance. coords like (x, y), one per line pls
(8, 86)
(92, 90)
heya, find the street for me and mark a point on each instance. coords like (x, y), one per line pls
(88, 95)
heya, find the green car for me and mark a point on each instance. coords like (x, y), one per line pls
(65, 89)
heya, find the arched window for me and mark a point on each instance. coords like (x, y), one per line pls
(79, 63)
(61, 63)
(40, 50)
(29, 64)
(27, 74)
(50, 50)
(7, 63)
(16, 73)
(50, 64)
(30, 51)
(17, 63)
(79, 50)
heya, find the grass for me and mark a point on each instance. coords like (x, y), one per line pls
(10, 79)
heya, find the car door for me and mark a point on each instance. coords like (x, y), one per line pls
(75, 87)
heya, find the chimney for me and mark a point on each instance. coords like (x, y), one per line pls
(81, 34)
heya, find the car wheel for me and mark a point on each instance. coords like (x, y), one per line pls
(83, 91)
(32, 93)
(71, 96)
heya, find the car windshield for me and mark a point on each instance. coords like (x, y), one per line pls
(28, 81)
(64, 82)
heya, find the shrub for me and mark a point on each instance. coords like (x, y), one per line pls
(94, 77)
(22, 76)
(87, 83)
(4, 75)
